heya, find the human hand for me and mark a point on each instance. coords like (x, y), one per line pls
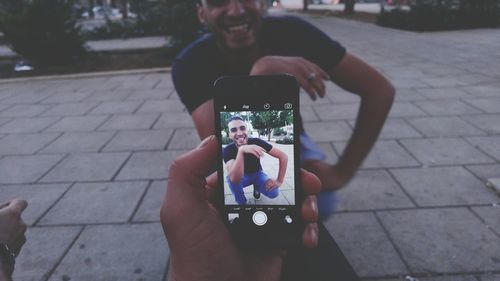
(256, 150)
(200, 243)
(331, 176)
(12, 226)
(309, 75)
(272, 184)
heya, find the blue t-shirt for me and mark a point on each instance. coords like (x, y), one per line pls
(251, 163)
(196, 68)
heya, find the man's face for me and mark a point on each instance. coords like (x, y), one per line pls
(238, 132)
(234, 23)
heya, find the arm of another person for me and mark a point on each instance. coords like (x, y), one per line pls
(377, 95)
(283, 162)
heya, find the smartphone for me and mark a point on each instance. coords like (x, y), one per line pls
(258, 126)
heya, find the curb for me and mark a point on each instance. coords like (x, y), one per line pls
(87, 75)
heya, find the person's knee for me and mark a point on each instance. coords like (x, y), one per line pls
(273, 193)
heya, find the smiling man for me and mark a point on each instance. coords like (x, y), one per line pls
(242, 159)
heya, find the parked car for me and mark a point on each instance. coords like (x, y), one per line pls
(102, 12)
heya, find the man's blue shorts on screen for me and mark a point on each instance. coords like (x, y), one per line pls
(309, 150)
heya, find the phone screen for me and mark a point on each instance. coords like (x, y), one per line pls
(258, 127)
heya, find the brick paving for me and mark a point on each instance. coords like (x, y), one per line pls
(90, 154)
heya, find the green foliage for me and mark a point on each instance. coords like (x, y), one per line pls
(42, 31)
(267, 121)
(226, 140)
(429, 15)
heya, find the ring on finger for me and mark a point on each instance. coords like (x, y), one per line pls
(311, 77)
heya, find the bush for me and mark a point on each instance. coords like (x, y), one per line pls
(42, 31)
(226, 140)
(431, 15)
(286, 140)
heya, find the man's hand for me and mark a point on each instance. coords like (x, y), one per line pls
(256, 150)
(200, 243)
(272, 184)
(12, 227)
(309, 75)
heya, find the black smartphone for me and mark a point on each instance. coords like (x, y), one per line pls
(258, 125)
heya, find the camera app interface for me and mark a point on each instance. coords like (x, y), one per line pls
(258, 157)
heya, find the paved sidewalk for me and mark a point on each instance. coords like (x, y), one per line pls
(91, 154)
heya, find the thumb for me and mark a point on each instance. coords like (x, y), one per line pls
(187, 175)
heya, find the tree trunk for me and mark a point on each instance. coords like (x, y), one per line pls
(349, 6)
(305, 7)
(124, 4)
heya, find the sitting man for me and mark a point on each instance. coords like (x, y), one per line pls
(242, 159)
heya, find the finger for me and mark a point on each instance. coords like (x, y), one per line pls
(211, 188)
(310, 235)
(18, 205)
(4, 204)
(320, 72)
(319, 87)
(309, 210)
(310, 182)
(187, 175)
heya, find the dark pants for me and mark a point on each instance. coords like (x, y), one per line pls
(326, 262)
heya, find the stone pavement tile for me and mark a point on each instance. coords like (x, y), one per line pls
(442, 240)
(305, 99)
(444, 126)
(484, 90)
(446, 107)
(161, 106)
(445, 151)
(24, 110)
(340, 96)
(489, 145)
(26, 169)
(139, 140)
(137, 83)
(70, 109)
(327, 149)
(87, 167)
(444, 82)
(289, 196)
(385, 154)
(4, 120)
(379, 192)
(174, 120)
(490, 277)
(66, 97)
(410, 82)
(84, 203)
(148, 165)
(26, 98)
(43, 250)
(407, 94)
(443, 93)
(488, 105)
(102, 95)
(405, 109)
(27, 125)
(444, 186)
(450, 278)
(116, 107)
(159, 94)
(77, 123)
(395, 128)
(130, 122)
(365, 244)
(184, 139)
(40, 198)
(25, 143)
(307, 113)
(4, 106)
(150, 206)
(328, 131)
(485, 172)
(490, 215)
(336, 112)
(116, 252)
(79, 142)
(487, 123)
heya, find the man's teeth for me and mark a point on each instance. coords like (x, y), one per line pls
(238, 28)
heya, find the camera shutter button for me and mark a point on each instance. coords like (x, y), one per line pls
(259, 218)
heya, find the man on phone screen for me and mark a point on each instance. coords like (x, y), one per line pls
(242, 158)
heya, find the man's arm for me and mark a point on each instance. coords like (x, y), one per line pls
(235, 168)
(377, 95)
(283, 162)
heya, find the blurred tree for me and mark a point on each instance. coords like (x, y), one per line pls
(267, 121)
(349, 6)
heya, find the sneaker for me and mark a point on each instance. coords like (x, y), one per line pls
(256, 194)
